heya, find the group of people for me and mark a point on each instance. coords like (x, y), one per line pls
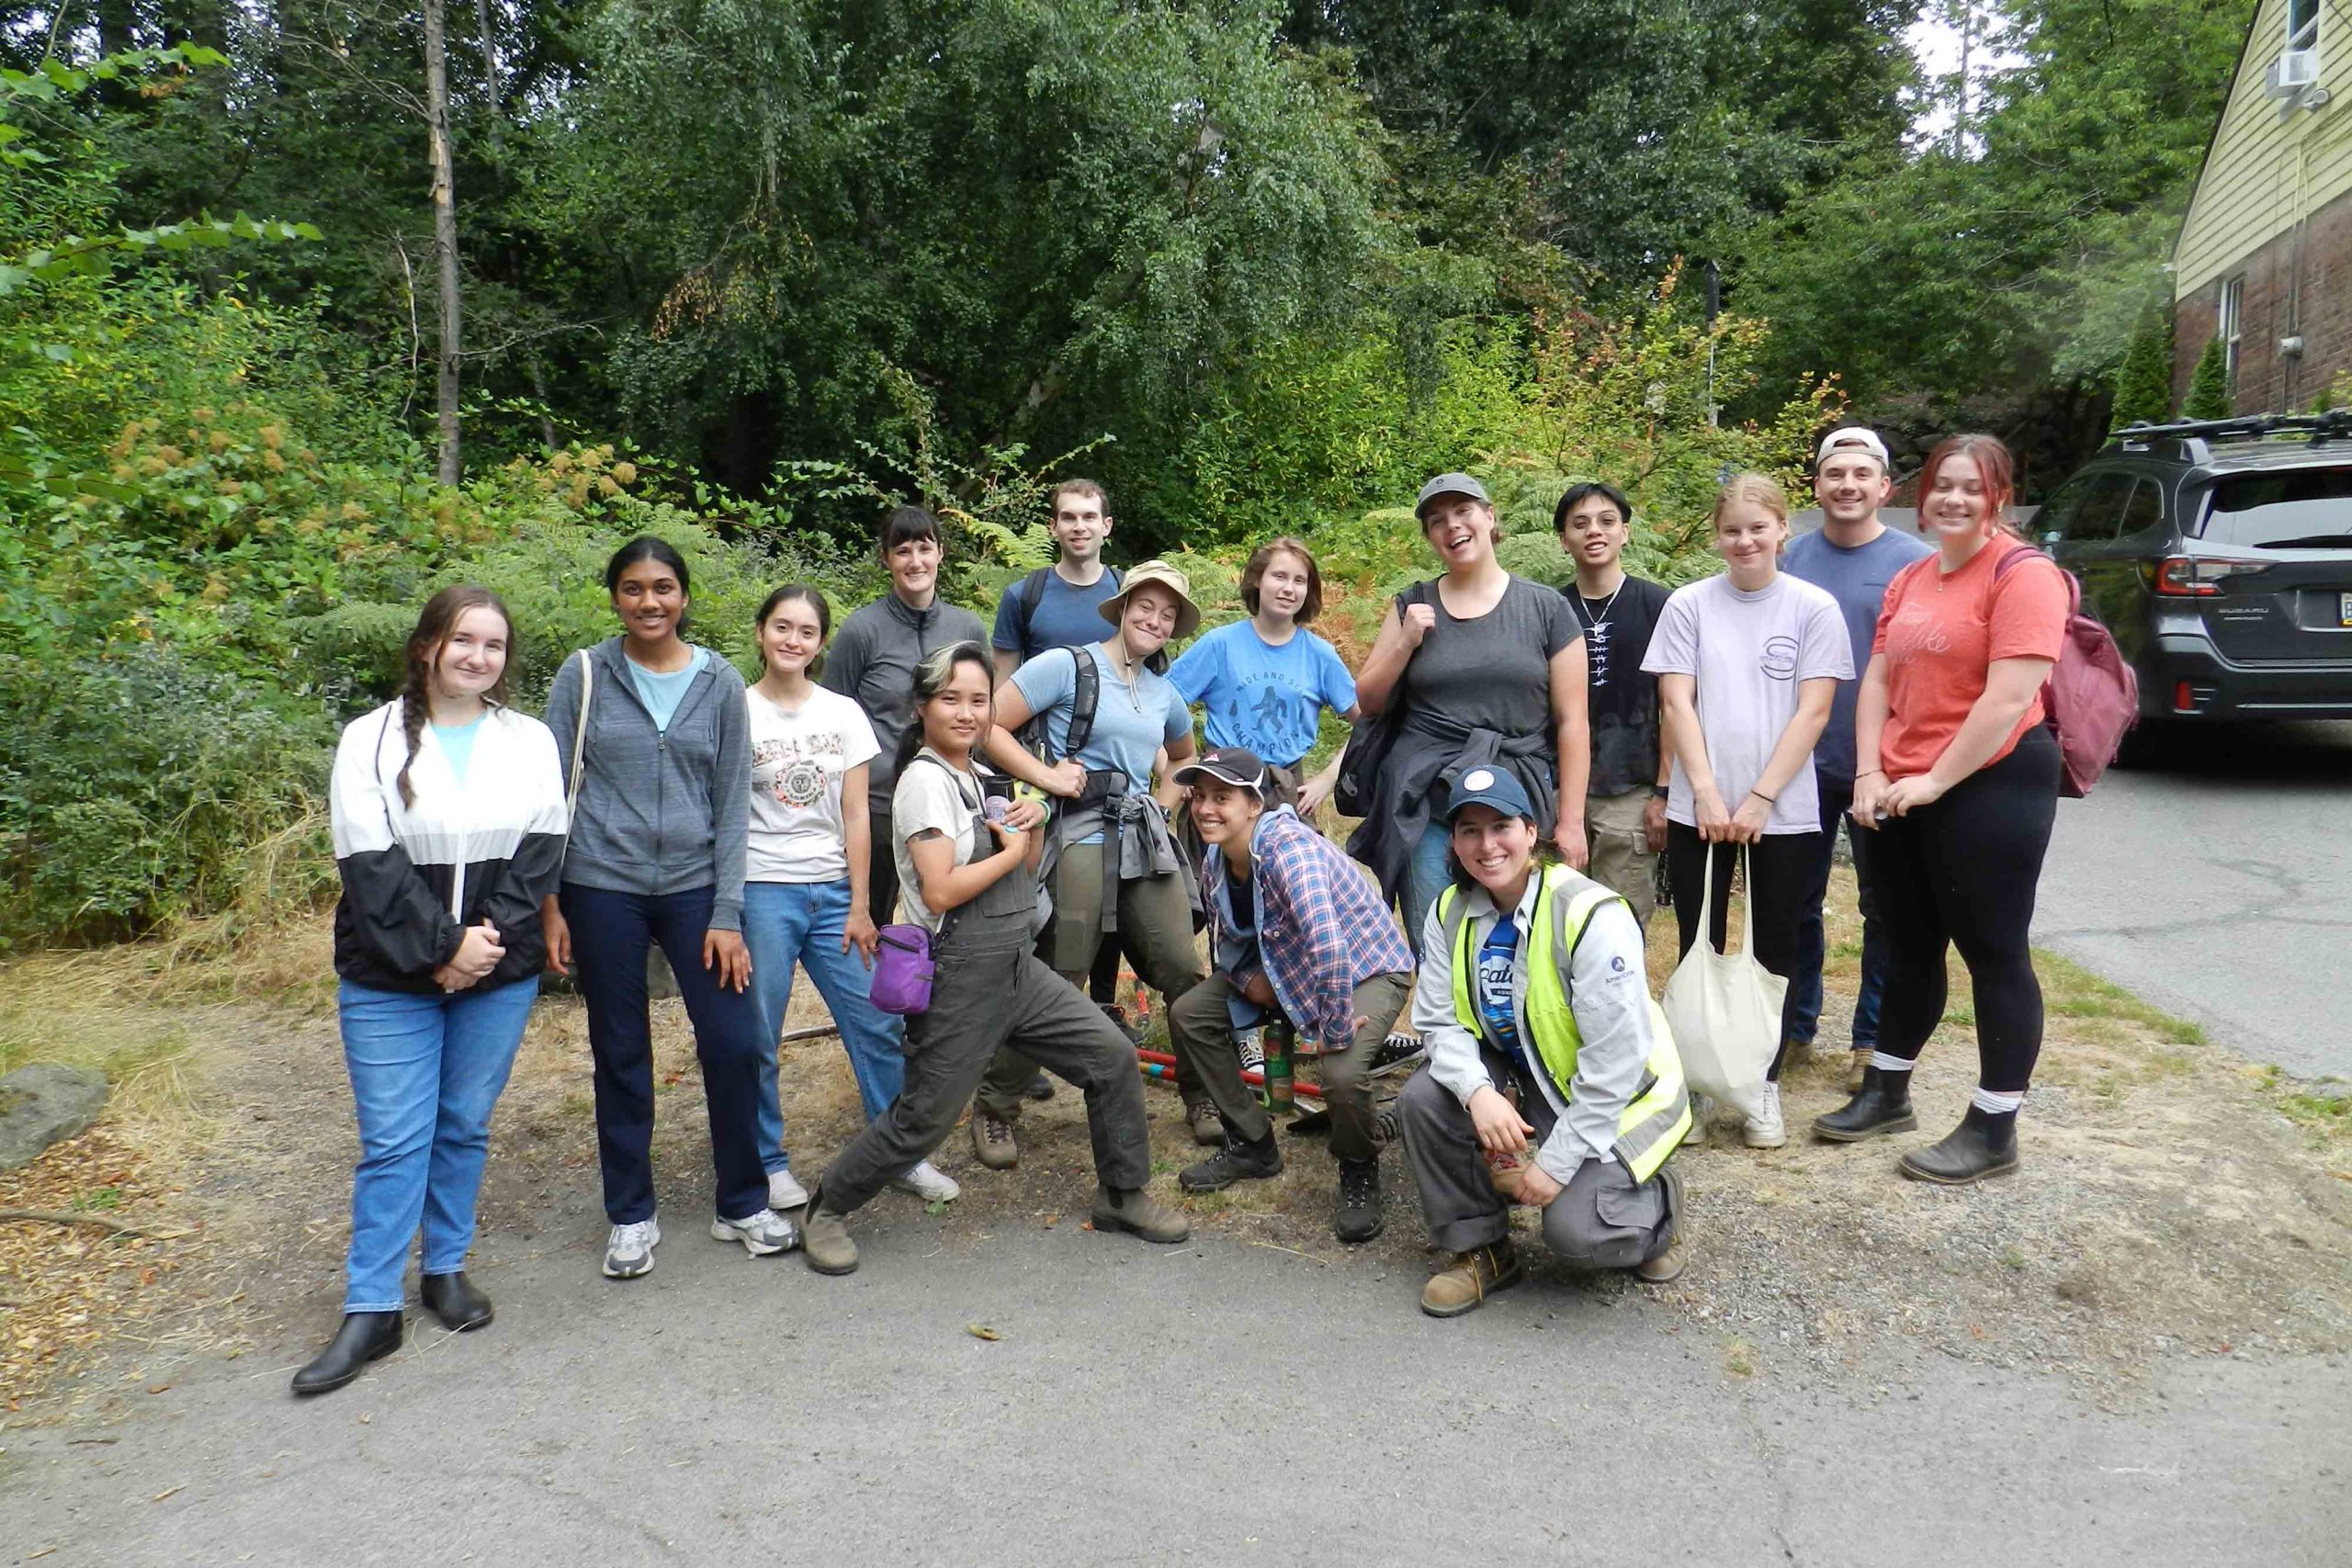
(1028, 799)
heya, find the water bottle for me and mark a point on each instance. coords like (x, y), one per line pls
(1282, 1095)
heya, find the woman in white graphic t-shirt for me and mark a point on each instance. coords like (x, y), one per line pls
(804, 876)
(1747, 662)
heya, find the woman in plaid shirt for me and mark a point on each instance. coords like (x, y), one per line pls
(1295, 925)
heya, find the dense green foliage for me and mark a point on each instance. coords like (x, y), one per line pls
(2209, 385)
(743, 273)
(2144, 385)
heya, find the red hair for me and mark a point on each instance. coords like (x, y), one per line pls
(1994, 466)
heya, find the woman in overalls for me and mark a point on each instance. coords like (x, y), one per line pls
(968, 866)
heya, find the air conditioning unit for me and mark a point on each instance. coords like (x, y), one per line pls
(2294, 72)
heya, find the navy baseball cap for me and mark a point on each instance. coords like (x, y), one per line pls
(1495, 788)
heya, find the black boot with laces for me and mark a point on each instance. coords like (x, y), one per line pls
(1358, 1216)
(1240, 1160)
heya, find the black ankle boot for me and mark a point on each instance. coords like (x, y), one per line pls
(1358, 1217)
(1982, 1145)
(1882, 1105)
(1239, 1161)
(453, 1299)
(365, 1337)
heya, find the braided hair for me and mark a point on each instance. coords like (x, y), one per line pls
(434, 624)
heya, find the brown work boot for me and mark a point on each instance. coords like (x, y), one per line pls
(1663, 1269)
(825, 1240)
(1469, 1278)
(1135, 1210)
(1857, 1062)
(992, 1141)
(1207, 1127)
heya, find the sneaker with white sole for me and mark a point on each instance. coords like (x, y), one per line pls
(1250, 1044)
(1702, 1114)
(1765, 1130)
(928, 1182)
(763, 1235)
(785, 1192)
(628, 1251)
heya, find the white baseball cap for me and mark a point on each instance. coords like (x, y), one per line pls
(1852, 438)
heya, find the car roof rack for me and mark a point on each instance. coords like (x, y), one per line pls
(2198, 436)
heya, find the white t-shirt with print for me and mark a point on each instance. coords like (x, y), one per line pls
(798, 763)
(931, 796)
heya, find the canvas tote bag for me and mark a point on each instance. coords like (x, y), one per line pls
(1725, 1010)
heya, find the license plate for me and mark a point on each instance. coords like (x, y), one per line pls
(2343, 610)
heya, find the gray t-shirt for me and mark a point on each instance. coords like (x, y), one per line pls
(1749, 653)
(1492, 671)
(1857, 579)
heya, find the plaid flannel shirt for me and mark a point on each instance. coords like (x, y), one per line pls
(1322, 930)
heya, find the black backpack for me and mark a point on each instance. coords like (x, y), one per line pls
(1084, 697)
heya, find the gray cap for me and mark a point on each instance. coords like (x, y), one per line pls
(1450, 484)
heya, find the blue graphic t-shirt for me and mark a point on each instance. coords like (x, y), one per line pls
(1497, 962)
(1269, 699)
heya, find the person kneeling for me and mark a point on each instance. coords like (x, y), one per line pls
(1532, 982)
(1292, 925)
(971, 880)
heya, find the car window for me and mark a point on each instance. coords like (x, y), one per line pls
(2311, 508)
(2145, 509)
(2086, 510)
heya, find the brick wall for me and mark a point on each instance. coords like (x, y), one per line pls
(2269, 381)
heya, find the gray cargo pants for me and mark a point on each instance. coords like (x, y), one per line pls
(1603, 1220)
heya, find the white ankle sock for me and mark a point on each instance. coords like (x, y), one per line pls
(1887, 1064)
(1997, 1104)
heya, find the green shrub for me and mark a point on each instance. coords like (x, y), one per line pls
(2209, 384)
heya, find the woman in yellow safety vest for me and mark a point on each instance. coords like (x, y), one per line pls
(1543, 1044)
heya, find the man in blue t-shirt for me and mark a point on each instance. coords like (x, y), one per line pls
(1064, 614)
(1854, 556)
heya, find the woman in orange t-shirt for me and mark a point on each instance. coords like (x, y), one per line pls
(1962, 797)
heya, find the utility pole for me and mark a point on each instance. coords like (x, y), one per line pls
(1967, 9)
(444, 230)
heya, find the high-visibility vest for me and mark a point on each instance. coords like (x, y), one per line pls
(1659, 1116)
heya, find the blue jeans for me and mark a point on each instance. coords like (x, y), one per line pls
(1813, 951)
(612, 934)
(425, 1071)
(789, 921)
(1426, 877)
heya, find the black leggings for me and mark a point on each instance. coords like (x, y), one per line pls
(1964, 870)
(1783, 879)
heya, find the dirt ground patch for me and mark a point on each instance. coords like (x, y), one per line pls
(2173, 1202)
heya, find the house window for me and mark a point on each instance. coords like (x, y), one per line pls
(2232, 313)
(2302, 24)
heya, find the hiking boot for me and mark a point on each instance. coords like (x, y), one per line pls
(1982, 1145)
(1135, 1212)
(1469, 1278)
(785, 1192)
(365, 1337)
(928, 1182)
(1358, 1217)
(1664, 1269)
(1240, 1160)
(1882, 1105)
(1207, 1126)
(824, 1240)
(763, 1235)
(453, 1299)
(992, 1142)
(1118, 1015)
(1857, 1063)
(1765, 1130)
(1795, 1053)
(1039, 1087)
(628, 1251)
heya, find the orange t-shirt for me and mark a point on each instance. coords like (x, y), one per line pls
(1938, 634)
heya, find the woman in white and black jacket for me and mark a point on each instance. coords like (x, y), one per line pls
(449, 813)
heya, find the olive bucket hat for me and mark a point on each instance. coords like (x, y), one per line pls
(1188, 615)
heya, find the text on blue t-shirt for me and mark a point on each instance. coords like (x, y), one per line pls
(1267, 698)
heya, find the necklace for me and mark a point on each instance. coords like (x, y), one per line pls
(1585, 605)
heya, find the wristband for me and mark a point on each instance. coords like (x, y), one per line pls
(1766, 799)
(1659, 791)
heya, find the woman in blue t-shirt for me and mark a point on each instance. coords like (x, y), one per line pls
(1266, 681)
(1111, 863)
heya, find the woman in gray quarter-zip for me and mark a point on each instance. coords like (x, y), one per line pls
(661, 810)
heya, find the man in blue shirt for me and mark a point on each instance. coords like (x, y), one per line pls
(1854, 556)
(1063, 614)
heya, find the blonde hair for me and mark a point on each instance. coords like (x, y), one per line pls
(1757, 490)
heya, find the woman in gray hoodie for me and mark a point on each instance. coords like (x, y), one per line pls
(657, 758)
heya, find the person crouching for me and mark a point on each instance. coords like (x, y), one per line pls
(1292, 925)
(1533, 988)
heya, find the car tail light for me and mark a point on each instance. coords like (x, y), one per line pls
(2190, 577)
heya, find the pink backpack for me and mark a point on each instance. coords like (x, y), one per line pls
(2092, 696)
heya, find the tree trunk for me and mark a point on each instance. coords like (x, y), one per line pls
(445, 230)
(490, 85)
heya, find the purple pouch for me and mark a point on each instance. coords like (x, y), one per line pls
(903, 970)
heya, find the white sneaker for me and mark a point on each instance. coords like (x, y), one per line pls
(784, 1192)
(1766, 1131)
(928, 1182)
(628, 1252)
(763, 1235)
(1702, 1114)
